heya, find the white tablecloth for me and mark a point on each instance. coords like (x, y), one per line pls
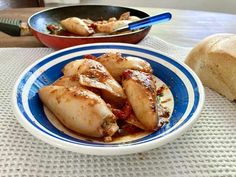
(208, 149)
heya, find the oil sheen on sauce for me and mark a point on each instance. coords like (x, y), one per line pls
(165, 101)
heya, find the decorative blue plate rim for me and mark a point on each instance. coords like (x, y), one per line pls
(110, 149)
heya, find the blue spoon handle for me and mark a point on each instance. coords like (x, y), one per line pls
(148, 21)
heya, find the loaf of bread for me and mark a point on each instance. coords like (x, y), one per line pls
(214, 61)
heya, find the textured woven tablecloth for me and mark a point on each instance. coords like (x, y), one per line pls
(207, 149)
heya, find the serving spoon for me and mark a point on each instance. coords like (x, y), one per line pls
(145, 22)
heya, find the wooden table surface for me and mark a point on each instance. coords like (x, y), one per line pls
(185, 29)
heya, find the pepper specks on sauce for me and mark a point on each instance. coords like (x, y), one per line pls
(144, 79)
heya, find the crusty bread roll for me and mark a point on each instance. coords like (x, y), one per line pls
(214, 61)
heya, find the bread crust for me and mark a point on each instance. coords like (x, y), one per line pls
(214, 61)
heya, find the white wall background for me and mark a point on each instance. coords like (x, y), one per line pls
(225, 6)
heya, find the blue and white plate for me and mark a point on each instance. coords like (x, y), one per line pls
(185, 86)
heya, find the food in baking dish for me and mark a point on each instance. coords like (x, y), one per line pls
(74, 26)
